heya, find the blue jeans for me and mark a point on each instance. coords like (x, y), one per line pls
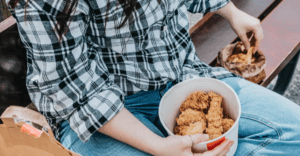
(269, 124)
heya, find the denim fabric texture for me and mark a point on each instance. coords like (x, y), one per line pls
(269, 123)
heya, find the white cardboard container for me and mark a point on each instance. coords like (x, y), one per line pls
(173, 98)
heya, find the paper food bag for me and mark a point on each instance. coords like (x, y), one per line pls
(253, 72)
(25, 132)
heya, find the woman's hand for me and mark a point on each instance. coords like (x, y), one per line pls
(181, 146)
(242, 24)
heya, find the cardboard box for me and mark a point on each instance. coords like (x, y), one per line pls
(25, 132)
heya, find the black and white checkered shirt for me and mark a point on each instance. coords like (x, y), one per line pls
(85, 78)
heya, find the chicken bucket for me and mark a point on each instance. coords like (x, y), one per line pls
(173, 98)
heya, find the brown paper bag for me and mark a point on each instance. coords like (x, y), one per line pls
(24, 134)
(253, 72)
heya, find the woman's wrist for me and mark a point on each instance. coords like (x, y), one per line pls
(228, 11)
(157, 145)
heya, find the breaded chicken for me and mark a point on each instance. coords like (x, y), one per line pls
(213, 131)
(214, 116)
(190, 116)
(193, 128)
(197, 100)
(196, 118)
(216, 100)
(227, 124)
(177, 130)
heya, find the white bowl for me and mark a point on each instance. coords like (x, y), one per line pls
(173, 98)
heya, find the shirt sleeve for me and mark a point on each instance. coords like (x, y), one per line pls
(205, 6)
(67, 80)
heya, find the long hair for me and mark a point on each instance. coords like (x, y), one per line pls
(129, 6)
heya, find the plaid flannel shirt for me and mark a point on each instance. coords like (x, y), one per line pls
(85, 78)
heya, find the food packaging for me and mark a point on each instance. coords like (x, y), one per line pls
(253, 72)
(173, 98)
(25, 132)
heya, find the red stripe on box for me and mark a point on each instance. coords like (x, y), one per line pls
(31, 130)
(212, 145)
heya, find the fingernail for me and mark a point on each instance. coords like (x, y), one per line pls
(206, 136)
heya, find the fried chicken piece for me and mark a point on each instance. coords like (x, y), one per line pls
(213, 135)
(216, 100)
(193, 128)
(227, 124)
(214, 132)
(215, 123)
(177, 130)
(197, 100)
(190, 116)
(194, 115)
(215, 116)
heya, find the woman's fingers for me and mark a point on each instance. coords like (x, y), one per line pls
(220, 150)
(226, 149)
(198, 138)
(258, 35)
(245, 40)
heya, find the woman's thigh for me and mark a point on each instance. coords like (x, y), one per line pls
(100, 144)
(269, 123)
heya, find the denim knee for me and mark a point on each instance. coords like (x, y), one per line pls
(256, 127)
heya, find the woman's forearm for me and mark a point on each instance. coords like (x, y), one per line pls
(228, 11)
(128, 129)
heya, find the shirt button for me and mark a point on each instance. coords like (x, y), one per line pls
(165, 27)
